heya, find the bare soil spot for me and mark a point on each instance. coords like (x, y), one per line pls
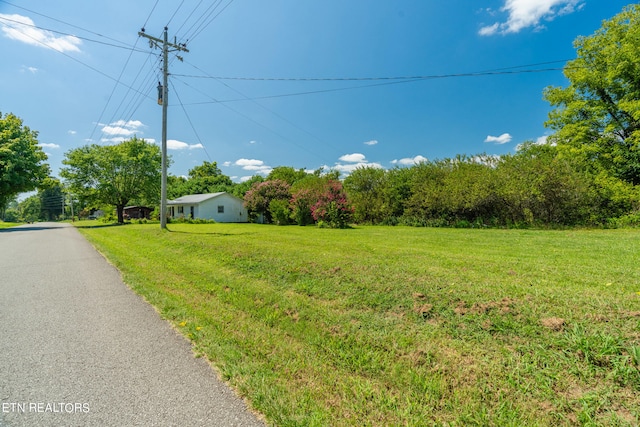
(424, 310)
(553, 323)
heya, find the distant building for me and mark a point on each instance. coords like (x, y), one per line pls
(220, 207)
(137, 212)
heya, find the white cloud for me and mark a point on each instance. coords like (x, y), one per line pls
(117, 130)
(529, 13)
(410, 161)
(249, 162)
(347, 169)
(123, 128)
(32, 70)
(257, 166)
(502, 139)
(486, 159)
(490, 30)
(173, 144)
(48, 145)
(353, 158)
(372, 142)
(226, 164)
(115, 140)
(354, 161)
(131, 124)
(72, 132)
(22, 28)
(542, 140)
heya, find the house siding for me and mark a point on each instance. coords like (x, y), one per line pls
(234, 211)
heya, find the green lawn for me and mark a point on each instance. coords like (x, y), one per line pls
(8, 224)
(402, 326)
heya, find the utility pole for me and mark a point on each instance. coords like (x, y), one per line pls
(163, 100)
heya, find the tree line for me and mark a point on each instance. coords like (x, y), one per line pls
(586, 173)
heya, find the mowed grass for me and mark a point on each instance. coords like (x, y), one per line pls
(8, 224)
(394, 326)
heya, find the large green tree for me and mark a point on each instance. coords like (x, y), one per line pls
(202, 179)
(115, 174)
(22, 165)
(597, 116)
(52, 199)
(287, 173)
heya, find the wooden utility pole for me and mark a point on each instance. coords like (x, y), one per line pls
(163, 99)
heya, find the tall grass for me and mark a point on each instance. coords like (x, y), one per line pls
(401, 326)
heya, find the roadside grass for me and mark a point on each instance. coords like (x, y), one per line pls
(401, 326)
(9, 224)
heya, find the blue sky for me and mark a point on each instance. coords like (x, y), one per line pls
(276, 83)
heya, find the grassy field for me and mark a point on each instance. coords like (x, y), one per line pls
(399, 326)
(8, 224)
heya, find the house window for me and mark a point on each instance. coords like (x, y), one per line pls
(220, 208)
(180, 210)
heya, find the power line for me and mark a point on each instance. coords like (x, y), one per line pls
(136, 99)
(115, 86)
(386, 81)
(150, 13)
(174, 13)
(248, 118)
(70, 35)
(398, 78)
(189, 17)
(73, 59)
(267, 109)
(190, 122)
(201, 19)
(202, 28)
(62, 22)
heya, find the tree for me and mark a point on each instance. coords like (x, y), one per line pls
(258, 199)
(203, 179)
(22, 165)
(287, 174)
(536, 185)
(208, 178)
(305, 194)
(239, 190)
(366, 186)
(598, 115)
(52, 197)
(115, 174)
(29, 209)
(332, 207)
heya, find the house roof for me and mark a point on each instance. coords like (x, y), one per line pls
(138, 207)
(193, 199)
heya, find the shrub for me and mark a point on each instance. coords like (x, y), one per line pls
(301, 203)
(280, 212)
(259, 197)
(332, 207)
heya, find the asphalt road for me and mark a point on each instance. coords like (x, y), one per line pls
(79, 348)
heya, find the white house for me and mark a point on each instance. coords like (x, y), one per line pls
(221, 207)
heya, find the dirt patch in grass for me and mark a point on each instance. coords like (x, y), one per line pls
(554, 323)
(503, 306)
